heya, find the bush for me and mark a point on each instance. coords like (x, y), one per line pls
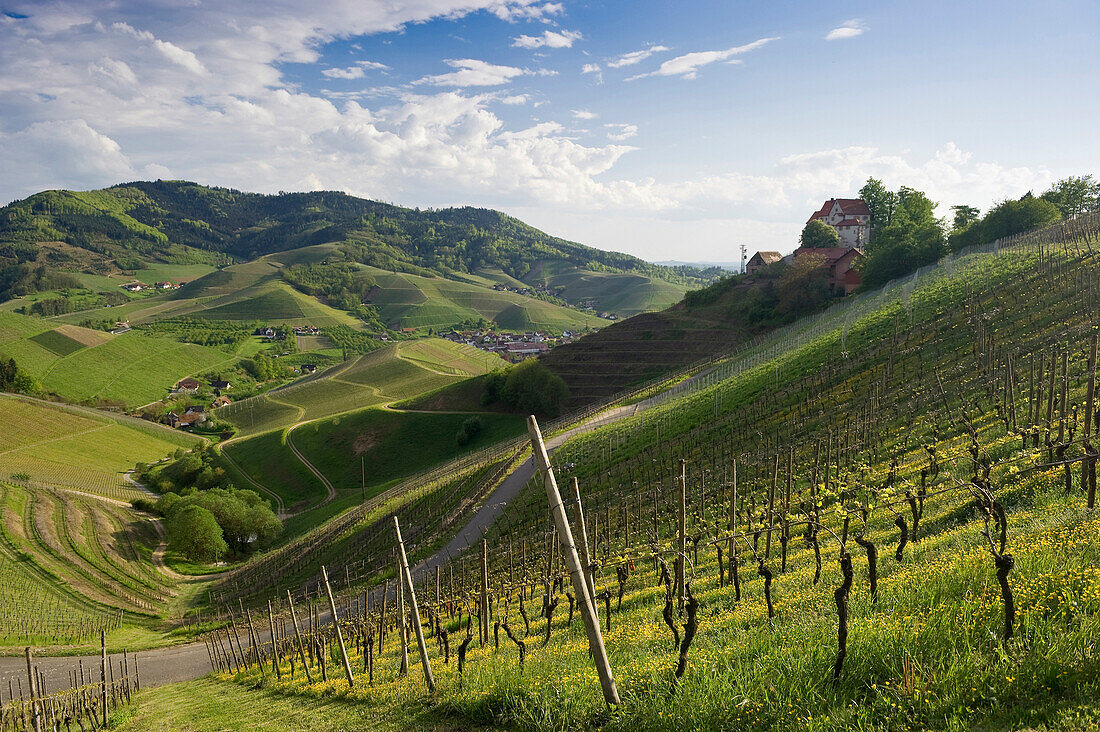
(194, 532)
(147, 505)
(527, 387)
(469, 430)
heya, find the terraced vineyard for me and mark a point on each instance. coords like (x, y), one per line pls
(133, 368)
(83, 563)
(79, 450)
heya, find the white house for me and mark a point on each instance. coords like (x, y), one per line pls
(850, 217)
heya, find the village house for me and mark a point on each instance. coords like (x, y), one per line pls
(761, 261)
(839, 263)
(309, 368)
(220, 385)
(186, 386)
(133, 287)
(220, 402)
(851, 217)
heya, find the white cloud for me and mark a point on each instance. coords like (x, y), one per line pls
(619, 132)
(180, 57)
(472, 72)
(549, 39)
(847, 29)
(629, 59)
(515, 99)
(688, 65)
(351, 72)
(584, 114)
(590, 69)
(513, 12)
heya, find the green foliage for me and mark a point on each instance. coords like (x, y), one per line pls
(1006, 219)
(184, 220)
(351, 341)
(194, 532)
(22, 278)
(965, 215)
(880, 200)
(1074, 195)
(265, 368)
(14, 380)
(527, 387)
(470, 429)
(203, 332)
(245, 520)
(802, 287)
(818, 235)
(909, 237)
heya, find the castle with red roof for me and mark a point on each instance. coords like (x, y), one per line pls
(851, 218)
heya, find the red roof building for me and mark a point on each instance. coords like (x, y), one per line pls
(851, 217)
(839, 263)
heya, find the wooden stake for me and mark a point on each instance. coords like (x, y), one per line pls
(407, 576)
(576, 573)
(402, 629)
(339, 633)
(274, 650)
(483, 618)
(583, 536)
(103, 673)
(32, 686)
(681, 536)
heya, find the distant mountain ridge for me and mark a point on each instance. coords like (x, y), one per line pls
(180, 221)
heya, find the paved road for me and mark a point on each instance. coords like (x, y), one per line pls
(190, 661)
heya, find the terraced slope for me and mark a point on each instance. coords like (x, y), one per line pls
(53, 446)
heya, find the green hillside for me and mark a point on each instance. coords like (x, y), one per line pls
(146, 228)
(913, 532)
(412, 301)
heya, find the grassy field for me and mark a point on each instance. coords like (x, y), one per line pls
(398, 371)
(624, 294)
(411, 301)
(381, 443)
(57, 447)
(267, 459)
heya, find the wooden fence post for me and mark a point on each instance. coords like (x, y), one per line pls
(483, 619)
(336, 624)
(407, 577)
(733, 578)
(103, 673)
(1088, 473)
(31, 687)
(576, 573)
(274, 648)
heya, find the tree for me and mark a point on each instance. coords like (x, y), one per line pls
(194, 532)
(965, 215)
(819, 235)
(880, 200)
(1015, 217)
(912, 238)
(802, 286)
(529, 387)
(1074, 195)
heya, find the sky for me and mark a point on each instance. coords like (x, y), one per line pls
(668, 130)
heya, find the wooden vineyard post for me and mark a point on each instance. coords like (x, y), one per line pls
(576, 573)
(681, 536)
(274, 648)
(336, 624)
(103, 673)
(31, 685)
(483, 617)
(298, 635)
(406, 575)
(402, 628)
(583, 535)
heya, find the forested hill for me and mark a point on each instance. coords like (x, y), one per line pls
(178, 221)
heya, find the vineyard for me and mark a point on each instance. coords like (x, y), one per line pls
(84, 564)
(80, 450)
(888, 522)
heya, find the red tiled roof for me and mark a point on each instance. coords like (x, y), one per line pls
(854, 207)
(831, 254)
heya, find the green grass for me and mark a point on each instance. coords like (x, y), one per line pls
(208, 706)
(380, 441)
(267, 459)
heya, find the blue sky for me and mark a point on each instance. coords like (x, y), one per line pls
(667, 130)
